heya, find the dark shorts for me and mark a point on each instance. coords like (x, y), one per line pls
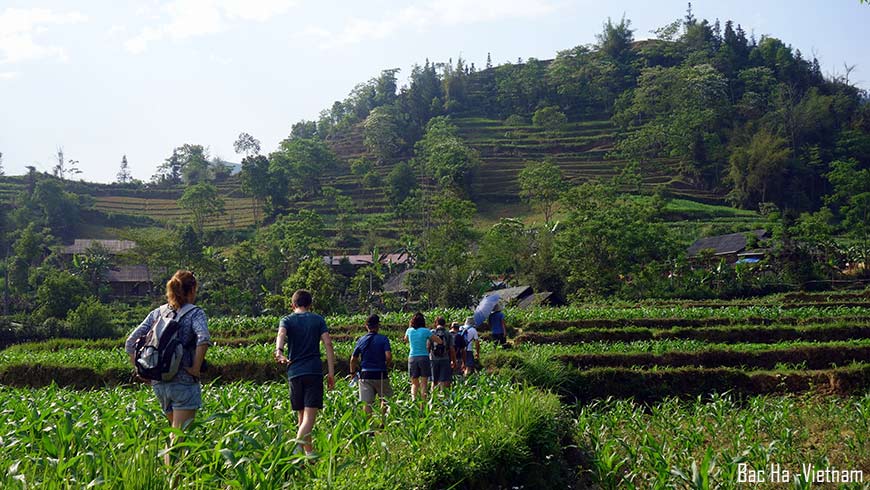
(306, 392)
(499, 338)
(441, 371)
(469, 359)
(178, 396)
(419, 367)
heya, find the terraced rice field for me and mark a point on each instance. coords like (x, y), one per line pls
(608, 396)
(581, 150)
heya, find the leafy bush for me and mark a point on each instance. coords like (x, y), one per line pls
(515, 120)
(91, 320)
(59, 293)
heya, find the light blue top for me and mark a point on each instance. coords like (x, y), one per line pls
(418, 337)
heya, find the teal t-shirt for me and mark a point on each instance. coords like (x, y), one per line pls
(303, 343)
(418, 337)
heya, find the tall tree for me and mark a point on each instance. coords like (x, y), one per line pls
(256, 182)
(124, 176)
(298, 167)
(247, 144)
(65, 168)
(204, 201)
(381, 133)
(757, 169)
(446, 157)
(541, 185)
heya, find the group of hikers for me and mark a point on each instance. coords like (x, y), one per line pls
(168, 349)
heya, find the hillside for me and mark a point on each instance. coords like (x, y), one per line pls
(699, 112)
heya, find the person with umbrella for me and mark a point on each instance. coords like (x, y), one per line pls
(497, 326)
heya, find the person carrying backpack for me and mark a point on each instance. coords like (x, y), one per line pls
(472, 344)
(372, 355)
(442, 356)
(458, 348)
(168, 348)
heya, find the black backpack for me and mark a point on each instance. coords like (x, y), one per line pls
(440, 350)
(459, 341)
(159, 352)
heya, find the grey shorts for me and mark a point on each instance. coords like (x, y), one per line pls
(178, 396)
(419, 367)
(368, 388)
(441, 371)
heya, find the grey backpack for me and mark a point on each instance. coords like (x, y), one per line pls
(159, 352)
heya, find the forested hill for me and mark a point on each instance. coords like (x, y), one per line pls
(702, 109)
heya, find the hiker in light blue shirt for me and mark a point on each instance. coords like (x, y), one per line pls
(419, 367)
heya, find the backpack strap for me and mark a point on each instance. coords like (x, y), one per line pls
(185, 310)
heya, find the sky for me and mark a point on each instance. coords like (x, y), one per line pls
(107, 78)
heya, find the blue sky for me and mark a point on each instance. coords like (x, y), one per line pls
(106, 78)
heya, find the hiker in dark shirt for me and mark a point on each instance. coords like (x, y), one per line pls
(302, 331)
(497, 325)
(442, 356)
(373, 357)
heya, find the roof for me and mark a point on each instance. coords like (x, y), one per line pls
(366, 259)
(536, 299)
(509, 294)
(731, 243)
(129, 273)
(80, 245)
(335, 260)
(399, 282)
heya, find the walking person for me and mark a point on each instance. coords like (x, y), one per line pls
(497, 325)
(472, 344)
(302, 332)
(180, 396)
(419, 367)
(372, 355)
(458, 348)
(442, 356)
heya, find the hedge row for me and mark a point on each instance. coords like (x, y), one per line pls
(647, 386)
(571, 383)
(810, 357)
(662, 323)
(729, 334)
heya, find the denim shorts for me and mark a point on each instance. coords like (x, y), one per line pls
(178, 396)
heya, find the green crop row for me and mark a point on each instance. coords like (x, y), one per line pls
(244, 438)
(750, 333)
(703, 443)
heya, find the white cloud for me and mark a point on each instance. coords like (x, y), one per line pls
(185, 19)
(221, 60)
(18, 28)
(433, 13)
(8, 75)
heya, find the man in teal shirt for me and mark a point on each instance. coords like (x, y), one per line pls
(302, 332)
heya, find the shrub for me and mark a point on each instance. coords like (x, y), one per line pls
(91, 320)
(515, 120)
(59, 293)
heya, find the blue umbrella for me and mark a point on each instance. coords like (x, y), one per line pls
(481, 313)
